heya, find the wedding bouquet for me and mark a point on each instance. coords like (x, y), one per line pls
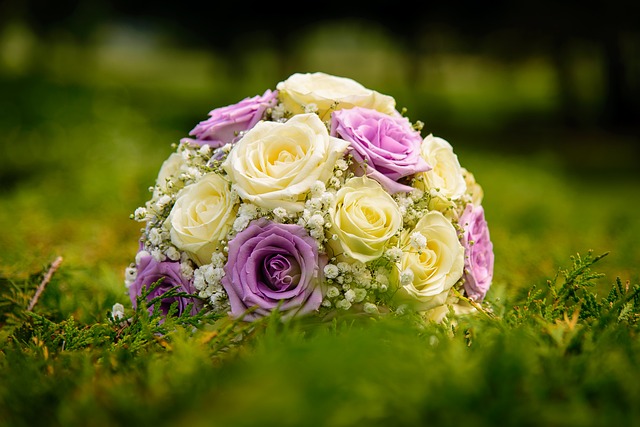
(314, 198)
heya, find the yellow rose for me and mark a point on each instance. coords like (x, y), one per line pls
(428, 274)
(445, 181)
(474, 190)
(329, 93)
(275, 164)
(202, 216)
(364, 218)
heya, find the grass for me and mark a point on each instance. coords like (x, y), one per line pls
(563, 356)
(78, 151)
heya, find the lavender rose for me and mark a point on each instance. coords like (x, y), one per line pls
(150, 271)
(479, 257)
(387, 146)
(273, 265)
(226, 123)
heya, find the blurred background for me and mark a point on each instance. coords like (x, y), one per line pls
(540, 100)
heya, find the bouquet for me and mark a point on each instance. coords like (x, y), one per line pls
(314, 198)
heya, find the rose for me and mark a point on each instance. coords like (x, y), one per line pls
(460, 308)
(168, 173)
(202, 216)
(364, 219)
(474, 190)
(479, 256)
(329, 93)
(273, 266)
(386, 147)
(276, 164)
(445, 181)
(434, 269)
(149, 271)
(226, 123)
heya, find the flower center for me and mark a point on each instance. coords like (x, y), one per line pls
(281, 272)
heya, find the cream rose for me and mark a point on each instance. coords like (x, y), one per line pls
(329, 93)
(460, 308)
(445, 181)
(428, 274)
(275, 164)
(474, 190)
(365, 219)
(202, 216)
(168, 175)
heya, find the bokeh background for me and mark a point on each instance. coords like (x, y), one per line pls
(540, 100)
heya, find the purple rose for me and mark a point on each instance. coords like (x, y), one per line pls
(387, 146)
(478, 257)
(273, 265)
(226, 123)
(150, 271)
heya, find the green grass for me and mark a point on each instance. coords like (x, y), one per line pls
(79, 148)
(562, 356)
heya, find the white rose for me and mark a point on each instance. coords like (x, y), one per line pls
(276, 164)
(169, 172)
(435, 268)
(167, 181)
(460, 308)
(365, 218)
(329, 93)
(445, 181)
(202, 216)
